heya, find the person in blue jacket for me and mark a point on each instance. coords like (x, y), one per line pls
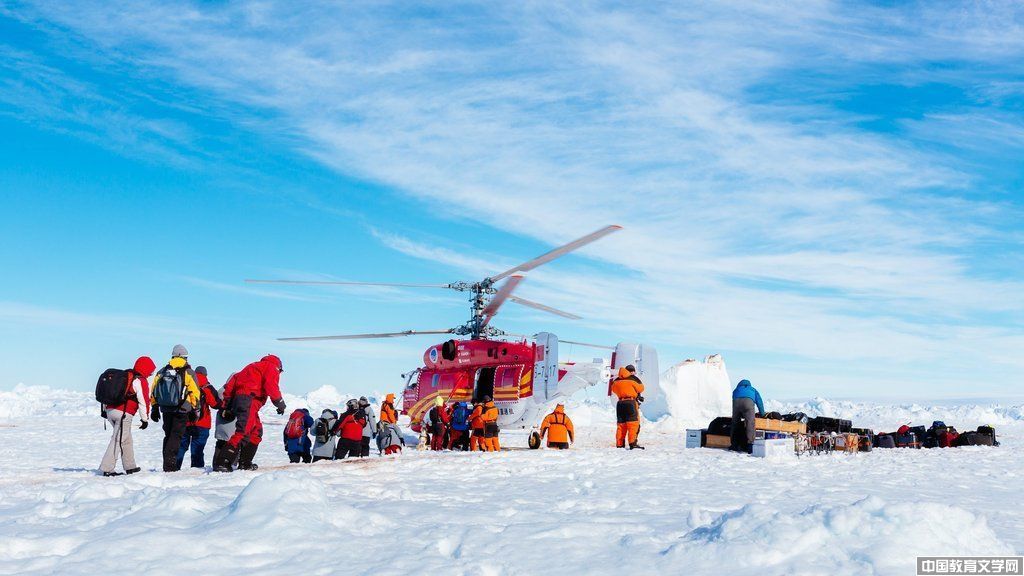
(299, 447)
(459, 432)
(746, 405)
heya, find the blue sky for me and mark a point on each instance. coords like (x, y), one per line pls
(827, 194)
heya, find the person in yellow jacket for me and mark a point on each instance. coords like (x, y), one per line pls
(627, 388)
(558, 428)
(175, 399)
(491, 430)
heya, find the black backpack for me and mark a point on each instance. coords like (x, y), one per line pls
(112, 387)
(322, 430)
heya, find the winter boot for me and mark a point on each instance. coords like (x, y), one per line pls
(635, 446)
(224, 458)
(110, 474)
(245, 456)
(133, 471)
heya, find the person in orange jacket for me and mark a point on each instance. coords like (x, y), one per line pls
(388, 412)
(627, 388)
(476, 424)
(491, 430)
(558, 428)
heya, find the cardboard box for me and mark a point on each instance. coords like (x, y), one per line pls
(695, 438)
(780, 426)
(773, 448)
(716, 441)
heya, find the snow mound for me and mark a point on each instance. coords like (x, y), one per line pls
(870, 536)
(693, 393)
(890, 416)
(27, 401)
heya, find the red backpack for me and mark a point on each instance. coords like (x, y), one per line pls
(296, 427)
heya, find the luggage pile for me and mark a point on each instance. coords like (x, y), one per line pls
(823, 435)
(939, 435)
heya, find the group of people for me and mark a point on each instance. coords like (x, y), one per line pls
(346, 435)
(461, 427)
(182, 398)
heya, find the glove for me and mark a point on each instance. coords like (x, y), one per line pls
(280, 410)
(154, 414)
(192, 416)
(145, 424)
(280, 406)
(640, 398)
(227, 415)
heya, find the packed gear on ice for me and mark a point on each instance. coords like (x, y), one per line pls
(121, 408)
(476, 424)
(244, 394)
(628, 390)
(197, 433)
(558, 428)
(746, 406)
(389, 438)
(324, 443)
(459, 427)
(437, 424)
(350, 431)
(296, 436)
(174, 398)
(370, 429)
(491, 429)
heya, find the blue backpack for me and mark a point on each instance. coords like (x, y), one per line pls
(460, 417)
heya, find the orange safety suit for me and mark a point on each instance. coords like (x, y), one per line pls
(476, 424)
(627, 388)
(558, 428)
(491, 430)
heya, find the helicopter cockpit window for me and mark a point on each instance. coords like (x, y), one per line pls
(434, 380)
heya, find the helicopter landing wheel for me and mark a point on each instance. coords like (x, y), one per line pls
(534, 441)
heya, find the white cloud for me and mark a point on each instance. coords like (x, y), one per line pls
(758, 216)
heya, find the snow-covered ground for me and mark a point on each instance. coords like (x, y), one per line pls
(591, 510)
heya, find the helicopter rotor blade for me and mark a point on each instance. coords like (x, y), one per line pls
(364, 336)
(544, 307)
(491, 310)
(340, 283)
(601, 346)
(560, 251)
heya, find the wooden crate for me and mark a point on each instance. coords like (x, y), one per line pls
(780, 426)
(716, 441)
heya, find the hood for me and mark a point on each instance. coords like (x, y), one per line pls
(274, 361)
(623, 373)
(743, 384)
(389, 398)
(177, 362)
(144, 366)
(201, 379)
(560, 409)
(329, 414)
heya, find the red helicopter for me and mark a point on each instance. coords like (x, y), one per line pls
(522, 375)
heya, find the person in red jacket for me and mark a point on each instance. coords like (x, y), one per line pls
(121, 416)
(198, 432)
(350, 431)
(439, 419)
(244, 394)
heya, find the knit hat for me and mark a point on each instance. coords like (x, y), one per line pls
(179, 351)
(201, 370)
